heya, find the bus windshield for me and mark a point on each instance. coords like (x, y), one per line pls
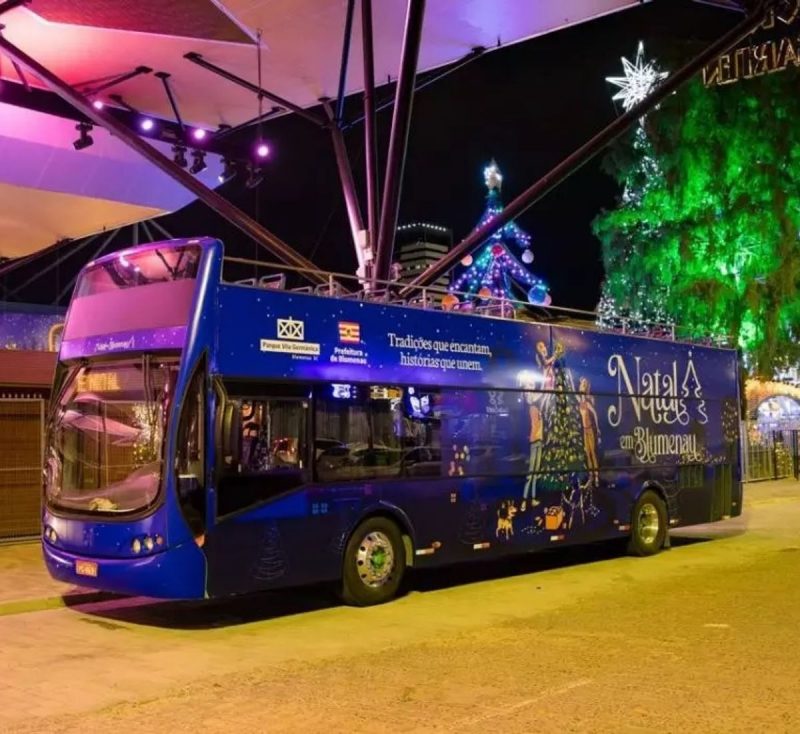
(106, 436)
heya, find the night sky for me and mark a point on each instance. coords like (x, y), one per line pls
(528, 106)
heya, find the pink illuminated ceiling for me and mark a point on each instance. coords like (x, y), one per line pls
(87, 41)
(302, 42)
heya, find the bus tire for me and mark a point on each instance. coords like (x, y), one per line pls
(648, 525)
(374, 563)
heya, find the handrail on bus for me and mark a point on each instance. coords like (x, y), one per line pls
(431, 296)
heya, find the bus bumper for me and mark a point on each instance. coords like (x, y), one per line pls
(176, 573)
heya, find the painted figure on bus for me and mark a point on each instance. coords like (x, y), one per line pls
(591, 431)
(536, 439)
(546, 364)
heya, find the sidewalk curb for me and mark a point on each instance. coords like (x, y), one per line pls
(25, 606)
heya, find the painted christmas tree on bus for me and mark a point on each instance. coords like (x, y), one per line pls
(495, 270)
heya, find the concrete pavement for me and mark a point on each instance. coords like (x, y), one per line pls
(701, 638)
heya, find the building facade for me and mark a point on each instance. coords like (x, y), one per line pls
(419, 245)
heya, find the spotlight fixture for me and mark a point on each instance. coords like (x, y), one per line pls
(179, 156)
(98, 104)
(199, 134)
(228, 171)
(198, 161)
(146, 124)
(254, 176)
(262, 150)
(85, 140)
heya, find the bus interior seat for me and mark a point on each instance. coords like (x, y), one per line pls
(231, 434)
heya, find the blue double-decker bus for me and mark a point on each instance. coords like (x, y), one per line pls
(210, 438)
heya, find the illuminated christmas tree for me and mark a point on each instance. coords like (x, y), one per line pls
(495, 270)
(715, 234)
(634, 304)
(563, 454)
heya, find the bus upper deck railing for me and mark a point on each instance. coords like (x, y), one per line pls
(434, 297)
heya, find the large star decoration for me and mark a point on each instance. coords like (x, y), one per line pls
(639, 80)
(492, 176)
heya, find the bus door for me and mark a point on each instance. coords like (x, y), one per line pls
(262, 457)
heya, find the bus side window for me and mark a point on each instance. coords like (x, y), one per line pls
(270, 456)
(189, 458)
(376, 432)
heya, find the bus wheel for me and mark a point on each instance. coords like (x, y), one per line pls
(648, 525)
(374, 563)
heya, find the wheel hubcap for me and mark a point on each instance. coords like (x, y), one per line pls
(375, 559)
(648, 524)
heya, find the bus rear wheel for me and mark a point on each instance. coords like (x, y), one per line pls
(374, 563)
(648, 525)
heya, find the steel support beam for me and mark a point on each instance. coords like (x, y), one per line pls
(39, 273)
(11, 4)
(398, 140)
(587, 151)
(19, 262)
(196, 58)
(159, 227)
(476, 52)
(225, 132)
(66, 289)
(138, 71)
(348, 30)
(164, 77)
(211, 198)
(370, 131)
(348, 184)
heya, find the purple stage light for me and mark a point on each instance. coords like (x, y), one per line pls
(147, 124)
(199, 134)
(262, 150)
(98, 105)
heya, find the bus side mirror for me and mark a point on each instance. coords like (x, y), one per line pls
(231, 435)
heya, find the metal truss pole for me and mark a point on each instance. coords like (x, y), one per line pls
(211, 198)
(196, 58)
(370, 134)
(587, 151)
(348, 30)
(398, 140)
(348, 185)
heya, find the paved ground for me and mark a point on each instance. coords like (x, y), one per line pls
(702, 638)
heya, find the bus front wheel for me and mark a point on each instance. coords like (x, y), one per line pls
(648, 525)
(374, 563)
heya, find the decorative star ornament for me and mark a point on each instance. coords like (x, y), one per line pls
(492, 176)
(638, 81)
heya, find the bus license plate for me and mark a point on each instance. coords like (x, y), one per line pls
(86, 568)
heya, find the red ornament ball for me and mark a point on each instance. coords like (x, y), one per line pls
(497, 250)
(466, 261)
(449, 301)
(485, 292)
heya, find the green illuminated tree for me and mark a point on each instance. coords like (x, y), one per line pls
(710, 233)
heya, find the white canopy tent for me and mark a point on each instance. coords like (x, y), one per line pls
(49, 191)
